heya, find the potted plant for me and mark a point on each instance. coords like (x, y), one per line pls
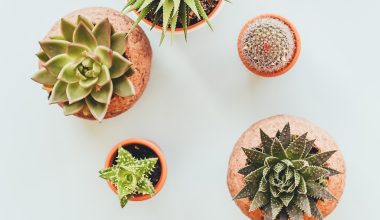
(269, 45)
(284, 167)
(90, 68)
(176, 16)
(135, 169)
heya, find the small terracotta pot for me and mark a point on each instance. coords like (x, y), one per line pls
(139, 52)
(251, 138)
(190, 28)
(164, 170)
(296, 52)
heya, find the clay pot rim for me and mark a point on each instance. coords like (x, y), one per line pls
(192, 27)
(297, 40)
(157, 151)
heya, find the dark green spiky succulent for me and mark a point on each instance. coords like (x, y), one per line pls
(285, 177)
(85, 66)
(168, 11)
(130, 175)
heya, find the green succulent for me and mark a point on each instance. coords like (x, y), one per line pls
(285, 177)
(85, 66)
(130, 175)
(170, 12)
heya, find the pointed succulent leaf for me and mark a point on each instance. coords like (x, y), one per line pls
(300, 164)
(123, 87)
(320, 159)
(68, 74)
(104, 76)
(267, 209)
(53, 48)
(102, 33)
(88, 83)
(332, 171)
(266, 142)
(76, 92)
(120, 65)
(254, 156)
(104, 94)
(70, 109)
(314, 173)
(55, 65)
(85, 21)
(297, 147)
(42, 56)
(302, 202)
(285, 136)
(76, 50)
(309, 146)
(105, 55)
(168, 7)
(264, 186)
(109, 174)
(287, 198)
(278, 150)
(119, 42)
(44, 77)
(258, 201)
(67, 29)
(97, 109)
(84, 36)
(294, 213)
(59, 93)
(302, 188)
(314, 209)
(145, 186)
(203, 13)
(192, 6)
(317, 191)
(255, 175)
(145, 4)
(276, 207)
(183, 18)
(248, 169)
(249, 190)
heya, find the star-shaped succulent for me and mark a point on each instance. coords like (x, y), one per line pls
(84, 66)
(130, 175)
(285, 176)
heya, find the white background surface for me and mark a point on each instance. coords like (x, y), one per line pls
(199, 100)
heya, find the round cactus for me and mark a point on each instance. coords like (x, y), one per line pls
(84, 66)
(268, 44)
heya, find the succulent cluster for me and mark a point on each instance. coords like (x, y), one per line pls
(169, 12)
(85, 66)
(130, 175)
(285, 176)
(268, 44)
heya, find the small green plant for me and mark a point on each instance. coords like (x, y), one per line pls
(85, 66)
(169, 12)
(285, 177)
(130, 175)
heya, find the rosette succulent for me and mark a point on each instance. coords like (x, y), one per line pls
(84, 66)
(170, 13)
(130, 175)
(285, 176)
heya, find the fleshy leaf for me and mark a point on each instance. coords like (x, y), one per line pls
(59, 93)
(309, 146)
(319, 192)
(75, 92)
(42, 56)
(44, 77)
(294, 213)
(250, 189)
(104, 76)
(53, 48)
(258, 201)
(97, 109)
(297, 147)
(276, 207)
(314, 209)
(55, 65)
(84, 36)
(88, 83)
(85, 21)
(278, 150)
(320, 159)
(67, 29)
(104, 94)
(248, 169)
(145, 186)
(105, 55)
(314, 173)
(285, 136)
(109, 174)
(255, 175)
(120, 65)
(302, 202)
(70, 109)
(266, 142)
(76, 50)
(287, 198)
(254, 156)
(302, 188)
(102, 33)
(332, 171)
(68, 74)
(123, 87)
(119, 42)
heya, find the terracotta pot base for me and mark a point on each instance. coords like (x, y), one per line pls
(251, 138)
(139, 52)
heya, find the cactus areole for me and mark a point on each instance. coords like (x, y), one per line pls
(85, 66)
(286, 176)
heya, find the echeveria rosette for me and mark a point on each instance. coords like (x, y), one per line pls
(285, 177)
(130, 175)
(85, 66)
(168, 11)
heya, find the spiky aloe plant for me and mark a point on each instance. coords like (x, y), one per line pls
(285, 177)
(130, 175)
(168, 11)
(85, 66)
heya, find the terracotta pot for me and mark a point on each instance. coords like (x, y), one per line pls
(113, 153)
(296, 52)
(139, 52)
(190, 28)
(251, 138)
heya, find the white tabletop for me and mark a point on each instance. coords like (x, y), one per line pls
(199, 100)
